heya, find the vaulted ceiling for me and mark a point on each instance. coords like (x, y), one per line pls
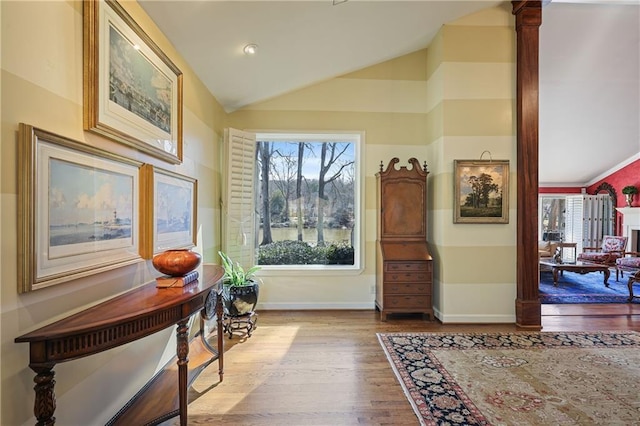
(589, 61)
(589, 90)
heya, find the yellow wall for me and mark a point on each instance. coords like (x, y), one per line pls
(41, 83)
(388, 103)
(451, 101)
(472, 109)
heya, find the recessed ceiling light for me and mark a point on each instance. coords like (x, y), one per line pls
(250, 49)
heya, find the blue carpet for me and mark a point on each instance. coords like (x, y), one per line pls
(588, 288)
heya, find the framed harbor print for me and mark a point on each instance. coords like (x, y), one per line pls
(481, 191)
(132, 90)
(78, 209)
(169, 210)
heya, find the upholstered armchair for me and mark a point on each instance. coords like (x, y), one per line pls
(612, 248)
(546, 249)
(630, 262)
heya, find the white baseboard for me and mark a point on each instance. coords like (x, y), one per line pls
(475, 319)
(445, 319)
(315, 306)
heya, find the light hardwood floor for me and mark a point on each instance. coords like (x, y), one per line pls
(327, 367)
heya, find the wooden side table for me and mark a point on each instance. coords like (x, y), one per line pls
(573, 246)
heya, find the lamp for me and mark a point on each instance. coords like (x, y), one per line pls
(250, 49)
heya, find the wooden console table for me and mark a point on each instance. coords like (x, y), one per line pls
(135, 314)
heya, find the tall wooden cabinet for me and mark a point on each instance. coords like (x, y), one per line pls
(404, 271)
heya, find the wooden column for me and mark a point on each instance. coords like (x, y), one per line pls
(528, 19)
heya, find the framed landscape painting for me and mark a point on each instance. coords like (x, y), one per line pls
(481, 191)
(169, 209)
(78, 209)
(132, 90)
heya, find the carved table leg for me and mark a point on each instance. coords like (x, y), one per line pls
(45, 403)
(607, 274)
(633, 278)
(182, 351)
(555, 277)
(219, 315)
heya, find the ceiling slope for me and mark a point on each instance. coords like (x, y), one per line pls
(589, 61)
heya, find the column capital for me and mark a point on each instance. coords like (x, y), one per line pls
(528, 12)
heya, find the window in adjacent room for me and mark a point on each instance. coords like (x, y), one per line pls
(582, 219)
(552, 217)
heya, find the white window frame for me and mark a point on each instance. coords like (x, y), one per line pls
(357, 138)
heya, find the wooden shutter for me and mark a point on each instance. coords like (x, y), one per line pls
(238, 199)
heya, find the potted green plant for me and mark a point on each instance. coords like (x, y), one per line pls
(240, 287)
(629, 191)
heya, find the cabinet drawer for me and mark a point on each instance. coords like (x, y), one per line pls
(407, 302)
(407, 266)
(418, 289)
(405, 276)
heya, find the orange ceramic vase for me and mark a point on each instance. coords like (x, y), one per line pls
(176, 262)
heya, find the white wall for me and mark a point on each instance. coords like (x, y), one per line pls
(589, 90)
(41, 84)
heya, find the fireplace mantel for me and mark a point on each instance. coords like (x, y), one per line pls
(631, 225)
(629, 212)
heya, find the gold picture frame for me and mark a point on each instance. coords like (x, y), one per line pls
(132, 90)
(481, 191)
(169, 208)
(78, 210)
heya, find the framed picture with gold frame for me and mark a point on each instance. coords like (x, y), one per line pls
(78, 210)
(481, 191)
(169, 209)
(132, 90)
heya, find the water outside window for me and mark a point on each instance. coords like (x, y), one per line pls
(306, 200)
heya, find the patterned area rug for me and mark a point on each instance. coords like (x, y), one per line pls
(528, 378)
(589, 288)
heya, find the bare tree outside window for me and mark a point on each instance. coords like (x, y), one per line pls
(265, 152)
(307, 194)
(331, 167)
